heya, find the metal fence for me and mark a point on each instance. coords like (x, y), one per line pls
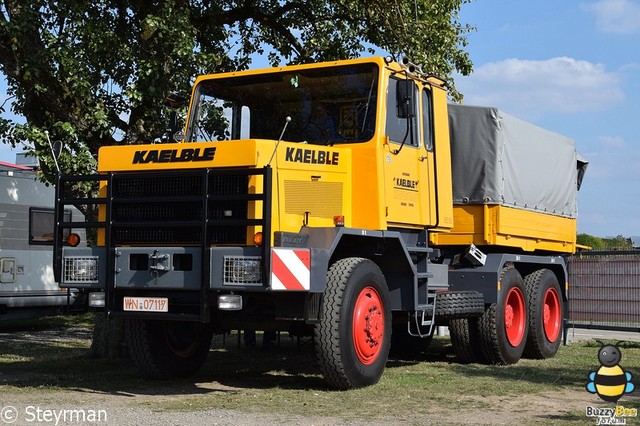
(604, 291)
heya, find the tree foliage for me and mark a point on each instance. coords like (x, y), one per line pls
(94, 73)
(605, 244)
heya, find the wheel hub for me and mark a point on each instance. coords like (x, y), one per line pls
(546, 314)
(368, 325)
(374, 326)
(552, 315)
(508, 316)
(514, 316)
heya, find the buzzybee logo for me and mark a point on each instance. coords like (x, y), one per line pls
(610, 381)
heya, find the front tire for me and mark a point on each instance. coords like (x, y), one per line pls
(168, 349)
(545, 314)
(354, 334)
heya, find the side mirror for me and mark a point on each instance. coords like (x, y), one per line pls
(174, 100)
(405, 90)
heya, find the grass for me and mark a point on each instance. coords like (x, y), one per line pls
(284, 379)
(58, 322)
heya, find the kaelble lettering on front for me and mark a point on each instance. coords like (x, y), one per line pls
(173, 155)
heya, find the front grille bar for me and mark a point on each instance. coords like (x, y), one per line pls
(203, 226)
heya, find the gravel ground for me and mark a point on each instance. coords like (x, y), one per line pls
(130, 410)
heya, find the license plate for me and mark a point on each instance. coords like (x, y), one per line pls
(146, 304)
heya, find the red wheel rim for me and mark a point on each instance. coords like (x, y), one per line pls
(514, 316)
(551, 314)
(181, 339)
(368, 325)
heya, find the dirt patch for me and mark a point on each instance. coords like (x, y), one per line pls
(123, 408)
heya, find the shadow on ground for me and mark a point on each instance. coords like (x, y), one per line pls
(59, 358)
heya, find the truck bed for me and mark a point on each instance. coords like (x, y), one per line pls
(514, 184)
(495, 225)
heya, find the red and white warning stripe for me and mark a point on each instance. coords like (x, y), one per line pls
(290, 269)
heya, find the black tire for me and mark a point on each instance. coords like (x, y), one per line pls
(546, 312)
(504, 325)
(465, 339)
(404, 346)
(452, 305)
(168, 349)
(354, 355)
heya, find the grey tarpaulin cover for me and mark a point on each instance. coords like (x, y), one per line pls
(500, 159)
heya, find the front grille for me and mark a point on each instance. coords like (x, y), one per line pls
(157, 235)
(153, 185)
(169, 208)
(157, 210)
(200, 207)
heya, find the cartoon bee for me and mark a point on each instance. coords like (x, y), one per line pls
(610, 381)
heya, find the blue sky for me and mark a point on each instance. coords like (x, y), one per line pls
(572, 67)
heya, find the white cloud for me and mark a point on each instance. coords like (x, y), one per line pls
(612, 141)
(616, 16)
(530, 89)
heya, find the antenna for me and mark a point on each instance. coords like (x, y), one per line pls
(53, 153)
(287, 121)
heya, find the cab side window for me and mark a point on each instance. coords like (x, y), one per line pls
(427, 120)
(398, 125)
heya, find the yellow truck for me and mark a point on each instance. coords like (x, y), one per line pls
(345, 200)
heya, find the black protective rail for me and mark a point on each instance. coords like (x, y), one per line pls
(205, 208)
(65, 196)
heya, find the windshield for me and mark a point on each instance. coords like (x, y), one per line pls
(326, 106)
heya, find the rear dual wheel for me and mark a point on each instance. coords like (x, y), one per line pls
(504, 325)
(465, 339)
(354, 334)
(526, 321)
(545, 314)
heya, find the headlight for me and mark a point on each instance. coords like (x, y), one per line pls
(97, 300)
(242, 270)
(80, 269)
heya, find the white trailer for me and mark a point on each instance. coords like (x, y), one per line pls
(27, 284)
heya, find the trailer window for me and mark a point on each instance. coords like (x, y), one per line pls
(41, 226)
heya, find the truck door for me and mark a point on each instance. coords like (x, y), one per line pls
(427, 159)
(403, 175)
